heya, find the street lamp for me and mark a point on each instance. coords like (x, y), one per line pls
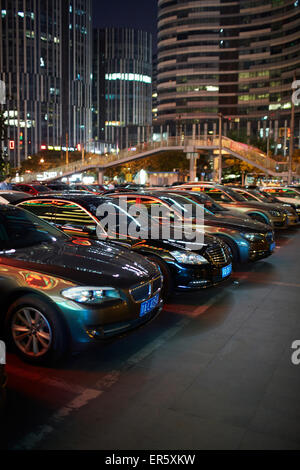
(220, 146)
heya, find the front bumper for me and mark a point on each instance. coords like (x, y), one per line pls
(293, 220)
(88, 323)
(261, 249)
(96, 332)
(198, 277)
(280, 222)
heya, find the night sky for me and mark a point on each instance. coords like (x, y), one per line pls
(139, 14)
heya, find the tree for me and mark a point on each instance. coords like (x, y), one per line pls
(165, 161)
(238, 167)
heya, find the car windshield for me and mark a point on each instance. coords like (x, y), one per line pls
(181, 202)
(115, 219)
(207, 201)
(40, 188)
(261, 196)
(235, 195)
(20, 229)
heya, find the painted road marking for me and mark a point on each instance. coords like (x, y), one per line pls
(31, 440)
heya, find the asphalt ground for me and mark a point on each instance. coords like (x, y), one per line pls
(213, 371)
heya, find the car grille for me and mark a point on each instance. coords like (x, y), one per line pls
(218, 254)
(147, 290)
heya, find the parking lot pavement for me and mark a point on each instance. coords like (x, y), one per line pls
(213, 371)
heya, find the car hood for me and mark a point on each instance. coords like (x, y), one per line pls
(100, 263)
(241, 223)
(254, 205)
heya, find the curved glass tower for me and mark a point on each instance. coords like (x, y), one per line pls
(236, 57)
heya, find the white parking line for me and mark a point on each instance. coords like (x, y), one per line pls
(31, 440)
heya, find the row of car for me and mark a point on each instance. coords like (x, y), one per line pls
(66, 281)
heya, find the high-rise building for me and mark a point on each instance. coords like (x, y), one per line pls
(154, 89)
(46, 64)
(122, 85)
(234, 57)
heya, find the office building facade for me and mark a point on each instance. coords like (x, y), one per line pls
(46, 64)
(237, 58)
(122, 85)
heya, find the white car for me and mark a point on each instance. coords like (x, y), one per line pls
(284, 194)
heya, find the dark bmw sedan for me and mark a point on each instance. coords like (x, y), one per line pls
(248, 239)
(59, 292)
(182, 266)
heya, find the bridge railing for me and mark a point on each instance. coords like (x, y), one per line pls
(252, 154)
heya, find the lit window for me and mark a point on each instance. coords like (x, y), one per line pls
(129, 77)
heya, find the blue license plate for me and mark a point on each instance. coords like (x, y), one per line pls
(227, 270)
(272, 246)
(149, 305)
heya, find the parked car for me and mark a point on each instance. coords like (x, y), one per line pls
(247, 239)
(57, 186)
(230, 199)
(256, 195)
(7, 197)
(59, 292)
(284, 194)
(32, 189)
(91, 188)
(182, 267)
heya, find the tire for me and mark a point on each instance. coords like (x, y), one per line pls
(44, 337)
(166, 274)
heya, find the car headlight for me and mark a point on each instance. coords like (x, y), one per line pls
(253, 237)
(275, 213)
(188, 257)
(90, 295)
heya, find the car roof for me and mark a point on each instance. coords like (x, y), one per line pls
(80, 197)
(14, 196)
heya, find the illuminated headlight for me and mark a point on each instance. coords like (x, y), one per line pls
(253, 237)
(90, 295)
(188, 257)
(275, 213)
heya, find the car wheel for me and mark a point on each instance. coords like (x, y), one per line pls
(35, 330)
(166, 275)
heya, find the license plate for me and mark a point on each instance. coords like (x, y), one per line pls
(272, 246)
(149, 305)
(227, 270)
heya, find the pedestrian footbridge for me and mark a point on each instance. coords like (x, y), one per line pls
(229, 147)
